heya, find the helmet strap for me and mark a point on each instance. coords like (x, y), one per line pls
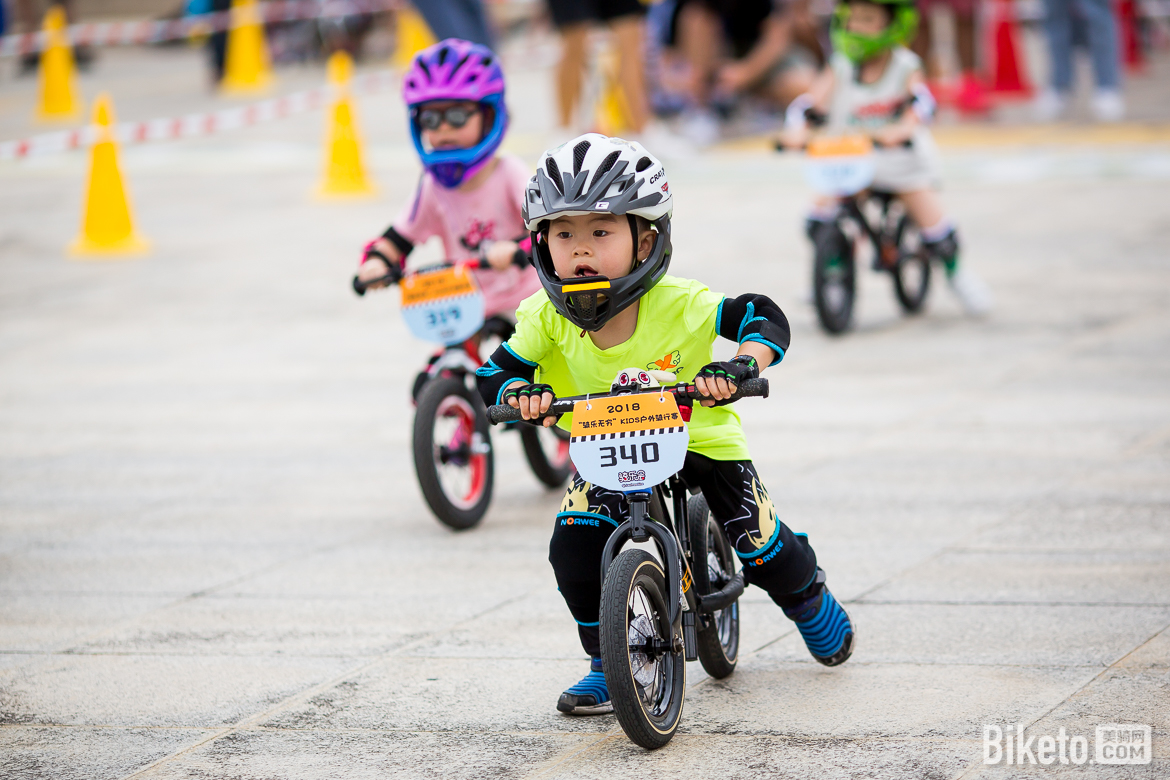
(634, 233)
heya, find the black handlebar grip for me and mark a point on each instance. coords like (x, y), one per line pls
(502, 413)
(757, 388)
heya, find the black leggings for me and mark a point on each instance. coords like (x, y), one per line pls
(773, 557)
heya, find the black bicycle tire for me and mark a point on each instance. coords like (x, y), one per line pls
(545, 471)
(828, 242)
(911, 303)
(631, 568)
(715, 657)
(430, 397)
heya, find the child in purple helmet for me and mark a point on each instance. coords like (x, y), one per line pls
(468, 195)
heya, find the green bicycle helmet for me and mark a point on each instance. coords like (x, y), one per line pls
(859, 48)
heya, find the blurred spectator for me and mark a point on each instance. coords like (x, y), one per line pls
(573, 18)
(971, 96)
(456, 19)
(767, 48)
(1095, 19)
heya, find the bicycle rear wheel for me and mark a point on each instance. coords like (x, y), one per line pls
(645, 674)
(834, 278)
(452, 452)
(714, 565)
(912, 274)
(547, 450)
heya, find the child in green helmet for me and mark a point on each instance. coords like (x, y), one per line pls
(874, 85)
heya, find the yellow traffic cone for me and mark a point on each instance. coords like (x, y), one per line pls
(107, 228)
(612, 112)
(58, 97)
(345, 174)
(246, 66)
(413, 36)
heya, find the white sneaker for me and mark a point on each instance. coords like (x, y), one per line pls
(973, 293)
(1050, 105)
(1108, 105)
(700, 127)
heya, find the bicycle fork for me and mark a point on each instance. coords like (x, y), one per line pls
(679, 582)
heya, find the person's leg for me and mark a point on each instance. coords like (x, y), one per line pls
(1103, 43)
(699, 36)
(1058, 26)
(570, 69)
(629, 35)
(456, 19)
(587, 517)
(774, 558)
(941, 241)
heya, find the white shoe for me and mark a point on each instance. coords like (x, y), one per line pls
(973, 293)
(700, 127)
(1050, 105)
(1108, 105)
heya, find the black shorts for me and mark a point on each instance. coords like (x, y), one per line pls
(566, 12)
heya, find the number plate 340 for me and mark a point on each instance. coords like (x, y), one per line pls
(630, 442)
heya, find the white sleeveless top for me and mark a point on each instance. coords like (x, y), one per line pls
(856, 106)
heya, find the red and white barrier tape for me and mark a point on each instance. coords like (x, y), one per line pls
(192, 125)
(152, 31)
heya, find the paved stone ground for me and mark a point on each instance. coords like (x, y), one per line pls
(214, 560)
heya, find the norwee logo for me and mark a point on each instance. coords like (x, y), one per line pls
(1115, 743)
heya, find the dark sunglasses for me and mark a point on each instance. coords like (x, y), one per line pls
(455, 116)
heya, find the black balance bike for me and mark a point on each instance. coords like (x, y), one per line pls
(842, 167)
(657, 612)
(453, 453)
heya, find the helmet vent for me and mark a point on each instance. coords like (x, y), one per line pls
(443, 52)
(579, 152)
(606, 164)
(643, 164)
(554, 173)
(459, 64)
(423, 66)
(487, 62)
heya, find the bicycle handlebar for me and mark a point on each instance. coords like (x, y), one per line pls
(781, 147)
(501, 413)
(396, 275)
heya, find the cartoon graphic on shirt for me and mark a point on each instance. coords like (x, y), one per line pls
(478, 231)
(671, 362)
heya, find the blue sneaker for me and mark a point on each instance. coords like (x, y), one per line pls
(825, 626)
(588, 697)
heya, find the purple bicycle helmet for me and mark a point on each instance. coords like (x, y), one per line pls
(454, 69)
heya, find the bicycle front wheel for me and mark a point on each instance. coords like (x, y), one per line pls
(453, 452)
(645, 673)
(834, 278)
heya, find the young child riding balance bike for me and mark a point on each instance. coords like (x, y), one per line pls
(468, 195)
(599, 210)
(874, 85)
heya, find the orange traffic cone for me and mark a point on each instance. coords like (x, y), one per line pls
(58, 98)
(246, 66)
(107, 227)
(345, 172)
(1008, 77)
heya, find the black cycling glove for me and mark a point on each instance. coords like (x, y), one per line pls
(735, 371)
(526, 391)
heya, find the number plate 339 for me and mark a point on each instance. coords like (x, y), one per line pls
(631, 442)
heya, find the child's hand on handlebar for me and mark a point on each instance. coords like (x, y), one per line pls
(533, 401)
(374, 267)
(501, 254)
(720, 380)
(893, 135)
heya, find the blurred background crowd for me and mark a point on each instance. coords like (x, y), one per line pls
(688, 73)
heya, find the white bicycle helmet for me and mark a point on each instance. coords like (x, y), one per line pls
(595, 174)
